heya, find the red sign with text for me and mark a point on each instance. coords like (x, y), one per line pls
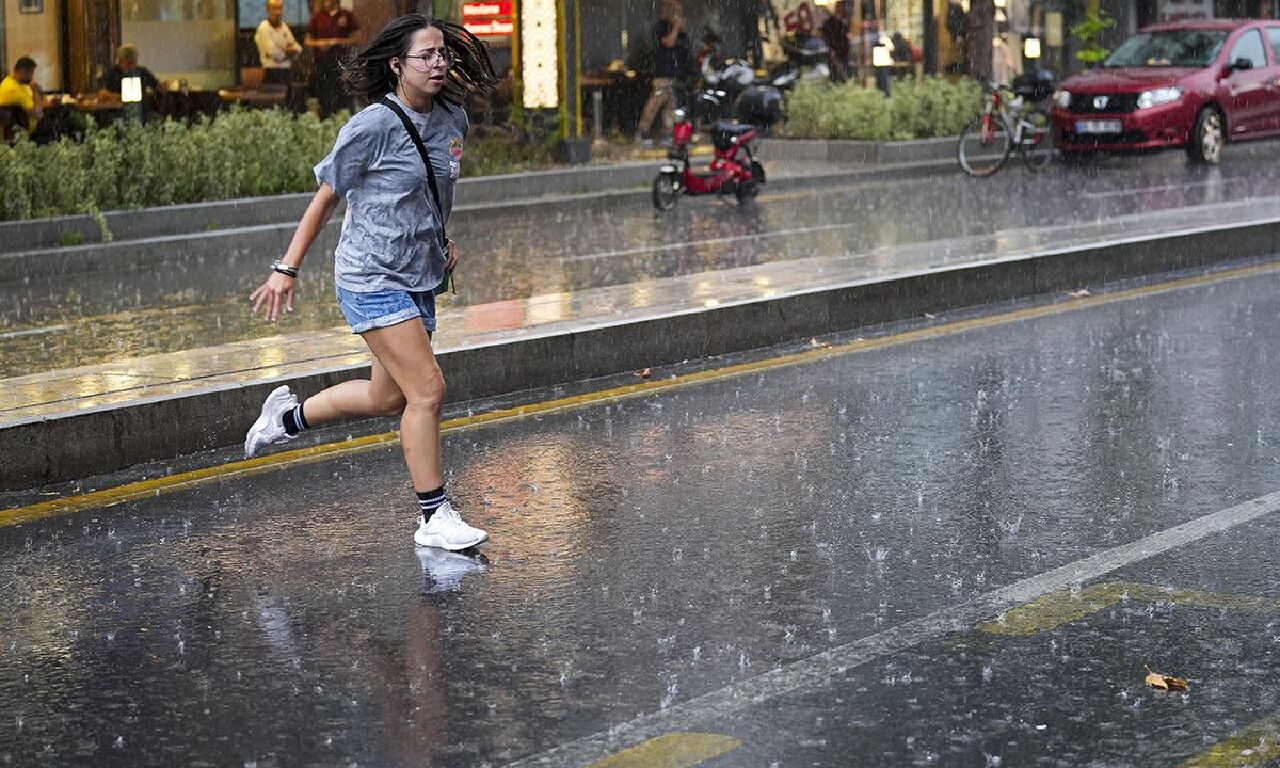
(488, 18)
(490, 27)
(486, 9)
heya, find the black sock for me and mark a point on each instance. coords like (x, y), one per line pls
(430, 501)
(294, 421)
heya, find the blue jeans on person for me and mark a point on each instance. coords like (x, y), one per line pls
(378, 309)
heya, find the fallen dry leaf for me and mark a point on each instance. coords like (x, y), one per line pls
(1080, 294)
(646, 373)
(1164, 682)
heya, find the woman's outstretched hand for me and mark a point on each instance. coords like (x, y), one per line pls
(276, 294)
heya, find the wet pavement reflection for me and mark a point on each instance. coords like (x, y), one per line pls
(53, 323)
(651, 550)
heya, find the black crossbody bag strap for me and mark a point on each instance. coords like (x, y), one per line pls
(389, 103)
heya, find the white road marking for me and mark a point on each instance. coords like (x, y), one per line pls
(818, 672)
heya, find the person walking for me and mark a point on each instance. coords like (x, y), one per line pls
(396, 163)
(670, 63)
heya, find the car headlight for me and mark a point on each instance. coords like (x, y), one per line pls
(1062, 99)
(1158, 96)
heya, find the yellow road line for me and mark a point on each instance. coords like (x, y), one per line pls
(185, 480)
(674, 750)
(1258, 744)
(1058, 608)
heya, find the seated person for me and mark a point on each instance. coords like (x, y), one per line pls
(127, 66)
(276, 45)
(19, 89)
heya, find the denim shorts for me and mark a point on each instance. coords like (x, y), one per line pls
(379, 309)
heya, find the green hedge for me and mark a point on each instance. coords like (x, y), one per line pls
(928, 109)
(240, 154)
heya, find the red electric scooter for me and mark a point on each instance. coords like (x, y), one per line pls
(733, 170)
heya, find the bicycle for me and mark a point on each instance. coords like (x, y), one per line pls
(1004, 123)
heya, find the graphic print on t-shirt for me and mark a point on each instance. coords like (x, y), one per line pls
(455, 157)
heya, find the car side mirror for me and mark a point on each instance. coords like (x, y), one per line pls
(1240, 64)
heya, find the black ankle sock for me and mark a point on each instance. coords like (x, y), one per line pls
(430, 501)
(294, 421)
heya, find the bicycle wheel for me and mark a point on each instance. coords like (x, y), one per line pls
(1036, 146)
(985, 144)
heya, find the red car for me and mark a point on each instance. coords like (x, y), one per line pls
(1192, 84)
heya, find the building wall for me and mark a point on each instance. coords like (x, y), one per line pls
(34, 35)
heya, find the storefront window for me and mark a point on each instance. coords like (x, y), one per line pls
(905, 17)
(192, 40)
(297, 14)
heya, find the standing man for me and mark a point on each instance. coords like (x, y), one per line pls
(20, 90)
(276, 45)
(329, 38)
(835, 32)
(670, 63)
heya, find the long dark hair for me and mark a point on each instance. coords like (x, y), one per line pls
(368, 74)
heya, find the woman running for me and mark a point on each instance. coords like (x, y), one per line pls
(396, 163)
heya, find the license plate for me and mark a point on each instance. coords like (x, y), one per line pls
(1097, 126)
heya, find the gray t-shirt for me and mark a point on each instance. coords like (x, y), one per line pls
(391, 233)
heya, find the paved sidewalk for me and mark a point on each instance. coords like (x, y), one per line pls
(77, 390)
(100, 362)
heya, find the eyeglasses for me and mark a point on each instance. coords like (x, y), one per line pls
(444, 55)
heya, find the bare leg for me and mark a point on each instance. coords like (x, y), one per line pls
(404, 353)
(377, 396)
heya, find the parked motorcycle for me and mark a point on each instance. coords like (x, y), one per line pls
(730, 89)
(732, 171)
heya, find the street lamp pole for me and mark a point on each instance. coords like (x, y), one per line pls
(576, 148)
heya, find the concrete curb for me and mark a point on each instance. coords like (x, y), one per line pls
(871, 152)
(94, 442)
(266, 239)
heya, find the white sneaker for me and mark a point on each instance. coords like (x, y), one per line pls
(446, 530)
(269, 428)
(443, 571)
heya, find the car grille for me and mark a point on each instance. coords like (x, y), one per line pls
(1117, 103)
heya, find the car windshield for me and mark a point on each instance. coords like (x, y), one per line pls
(1174, 48)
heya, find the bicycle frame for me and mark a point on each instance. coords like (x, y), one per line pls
(1005, 123)
(992, 107)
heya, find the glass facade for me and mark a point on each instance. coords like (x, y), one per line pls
(297, 14)
(192, 40)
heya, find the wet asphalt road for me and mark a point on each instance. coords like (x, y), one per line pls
(651, 551)
(47, 324)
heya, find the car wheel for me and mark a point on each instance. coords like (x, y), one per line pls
(1207, 138)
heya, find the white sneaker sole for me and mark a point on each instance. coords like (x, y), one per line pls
(269, 406)
(439, 543)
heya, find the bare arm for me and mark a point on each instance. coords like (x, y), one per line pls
(277, 291)
(669, 41)
(37, 101)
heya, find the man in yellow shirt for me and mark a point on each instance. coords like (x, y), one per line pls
(19, 89)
